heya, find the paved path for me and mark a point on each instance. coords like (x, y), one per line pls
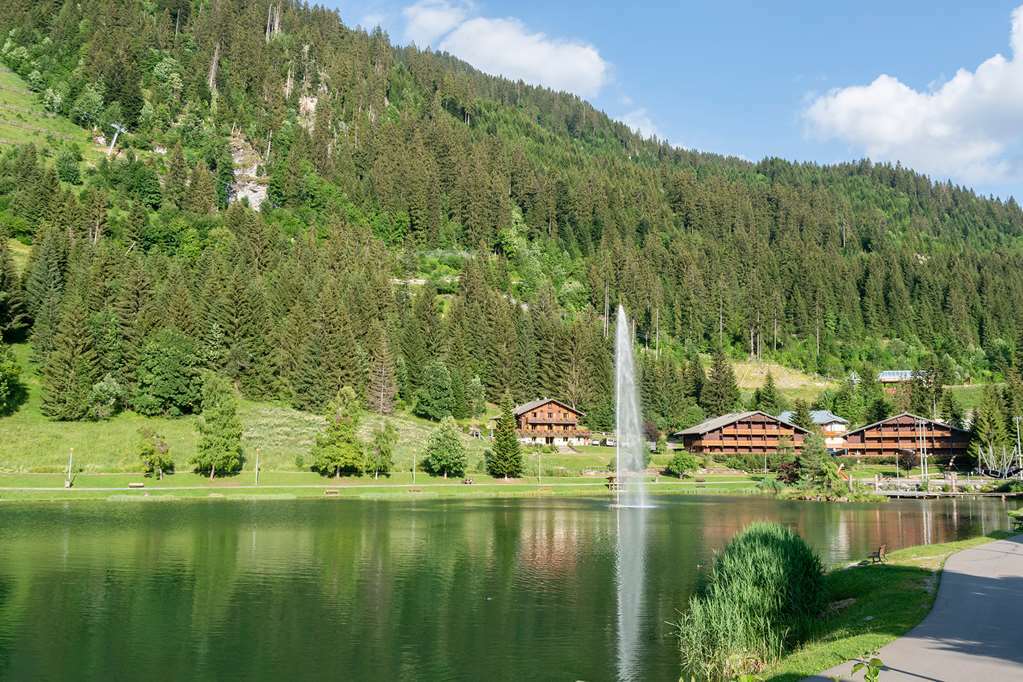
(974, 632)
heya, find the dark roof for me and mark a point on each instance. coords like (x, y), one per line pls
(726, 419)
(820, 417)
(905, 414)
(526, 407)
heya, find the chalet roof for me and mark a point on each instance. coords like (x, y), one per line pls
(532, 405)
(894, 375)
(726, 419)
(820, 417)
(905, 414)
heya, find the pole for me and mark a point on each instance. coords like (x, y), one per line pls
(1019, 450)
(257, 466)
(538, 481)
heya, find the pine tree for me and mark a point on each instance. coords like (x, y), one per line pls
(952, 411)
(801, 416)
(175, 185)
(720, 394)
(220, 429)
(695, 379)
(505, 458)
(768, 398)
(202, 192)
(383, 385)
(13, 316)
(338, 449)
(989, 433)
(445, 454)
(72, 367)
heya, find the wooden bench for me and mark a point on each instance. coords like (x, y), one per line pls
(331, 492)
(415, 490)
(878, 557)
(467, 481)
(136, 484)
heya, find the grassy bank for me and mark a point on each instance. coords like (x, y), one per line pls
(294, 484)
(873, 605)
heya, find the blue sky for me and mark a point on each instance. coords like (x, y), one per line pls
(800, 80)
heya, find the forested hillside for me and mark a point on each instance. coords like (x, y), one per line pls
(432, 235)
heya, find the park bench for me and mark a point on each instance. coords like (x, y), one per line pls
(136, 484)
(331, 492)
(415, 490)
(878, 557)
(467, 481)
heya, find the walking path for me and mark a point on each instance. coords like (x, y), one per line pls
(974, 631)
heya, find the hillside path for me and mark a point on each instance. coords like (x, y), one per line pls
(974, 630)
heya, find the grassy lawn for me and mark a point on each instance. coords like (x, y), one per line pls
(791, 382)
(968, 395)
(888, 600)
(29, 442)
(23, 120)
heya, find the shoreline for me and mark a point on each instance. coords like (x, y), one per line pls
(873, 605)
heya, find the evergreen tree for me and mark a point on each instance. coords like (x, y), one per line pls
(201, 197)
(72, 367)
(445, 454)
(175, 185)
(11, 389)
(801, 416)
(768, 398)
(505, 457)
(989, 433)
(338, 449)
(720, 394)
(13, 316)
(433, 399)
(476, 397)
(220, 429)
(817, 468)
(381, 460)
(952, 411)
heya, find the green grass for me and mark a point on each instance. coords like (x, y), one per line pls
(29, 442)
(888, 601)
(23, 120)
(19, 254)
(793, 384)
(968, 395)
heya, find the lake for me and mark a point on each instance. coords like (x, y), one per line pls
(504, 589)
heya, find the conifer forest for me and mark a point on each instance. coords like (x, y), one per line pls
(300, 206)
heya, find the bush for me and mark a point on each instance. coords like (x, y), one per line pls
(761, 598)
(682, 464)
(154, 453)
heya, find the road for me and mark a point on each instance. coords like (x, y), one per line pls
(974, 631)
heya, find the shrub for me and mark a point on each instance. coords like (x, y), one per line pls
(760, 599)
(154, 453)
(445, 455)
(681, 464)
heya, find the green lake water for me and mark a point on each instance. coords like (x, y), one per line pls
(512, 589)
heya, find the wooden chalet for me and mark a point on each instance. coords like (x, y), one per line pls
(831, 426)
(753, 432)
(907, 433)
(550, 422)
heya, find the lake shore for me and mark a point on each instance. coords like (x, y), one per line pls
(872, 605)
(293, 485)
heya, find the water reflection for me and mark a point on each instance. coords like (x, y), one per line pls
(438, 590)
(630, 577)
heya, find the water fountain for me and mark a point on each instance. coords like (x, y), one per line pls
(630, 452)
(630, 505)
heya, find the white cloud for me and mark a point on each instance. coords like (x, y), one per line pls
(639, 120)
(966, 128)
(428, 20)
(507, 47)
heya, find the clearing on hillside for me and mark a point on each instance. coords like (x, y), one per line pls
(791, 382)
(23, 120)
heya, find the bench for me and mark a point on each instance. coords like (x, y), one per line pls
(331, 492)
(467, 481)
(415, 490)
(878, 557)
(136, 484)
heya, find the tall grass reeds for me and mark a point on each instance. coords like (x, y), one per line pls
(761, 598)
